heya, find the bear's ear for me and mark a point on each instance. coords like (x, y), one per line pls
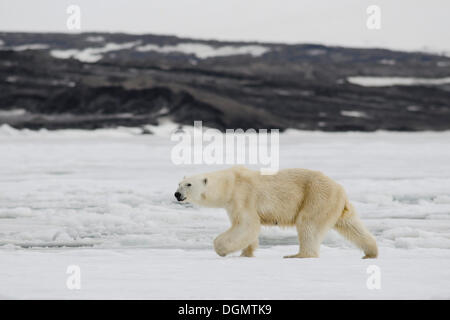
(205, 181)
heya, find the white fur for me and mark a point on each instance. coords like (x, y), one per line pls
(307, 199)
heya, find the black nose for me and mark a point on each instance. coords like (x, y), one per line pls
(177, 195)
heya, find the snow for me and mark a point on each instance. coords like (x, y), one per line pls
(353, 114)
(413, 108)
(12, 113)
(390, 62)
(200, 50)
(204, 51)
(91, 54)
(443, 64)
(23, 47)
(34, 46)
(103, 200)
(317, 52)
(200, 274)
(396, 81)
(95, 39)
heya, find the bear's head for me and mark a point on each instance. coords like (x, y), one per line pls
(209, 190)
(190, 189)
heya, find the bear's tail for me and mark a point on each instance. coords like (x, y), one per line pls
(351, 227)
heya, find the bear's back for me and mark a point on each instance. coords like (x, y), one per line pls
(279, 197)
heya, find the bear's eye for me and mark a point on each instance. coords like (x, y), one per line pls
(188, 185)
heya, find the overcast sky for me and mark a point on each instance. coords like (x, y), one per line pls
(405, 24)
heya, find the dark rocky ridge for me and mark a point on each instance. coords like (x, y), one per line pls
(290, 86)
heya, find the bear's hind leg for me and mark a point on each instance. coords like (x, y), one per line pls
(248, 252)
(310, 236)
(309, 242)
(352, 228)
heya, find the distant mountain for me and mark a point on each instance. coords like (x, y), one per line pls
(94, 80)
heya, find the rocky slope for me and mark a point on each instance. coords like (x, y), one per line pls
(100, 80)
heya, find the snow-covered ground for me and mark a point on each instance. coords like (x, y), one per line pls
(203, 51)
(397, 81)
(91, 54)
(103, 200)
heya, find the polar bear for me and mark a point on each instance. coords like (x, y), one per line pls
(307, 199)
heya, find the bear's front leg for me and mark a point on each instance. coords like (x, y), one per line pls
(248, 252)
(221, 245)
(241, 235)
(234, 239)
